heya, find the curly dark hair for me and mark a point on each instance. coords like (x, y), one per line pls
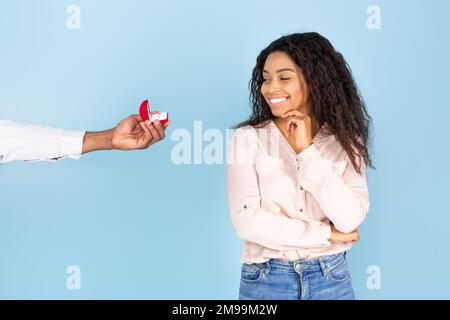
(333, 94)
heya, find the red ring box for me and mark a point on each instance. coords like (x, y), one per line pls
(144, 112)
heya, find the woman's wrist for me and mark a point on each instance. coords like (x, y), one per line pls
(340, 237)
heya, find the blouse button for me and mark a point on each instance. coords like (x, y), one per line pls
(301, 210)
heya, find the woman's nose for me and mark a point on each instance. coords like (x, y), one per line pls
(273, 87)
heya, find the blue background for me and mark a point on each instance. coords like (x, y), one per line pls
(140, 226)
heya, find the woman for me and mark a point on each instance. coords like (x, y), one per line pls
(297, 190)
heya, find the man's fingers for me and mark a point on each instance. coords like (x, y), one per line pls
(147, 132)
(137, 117)
(158, 126)
(160, 129)
(153, 130)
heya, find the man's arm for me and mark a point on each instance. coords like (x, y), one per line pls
(33, 143)
(130, 134)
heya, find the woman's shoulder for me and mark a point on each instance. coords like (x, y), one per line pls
(247, 131)
(251, 129)
(250, 136)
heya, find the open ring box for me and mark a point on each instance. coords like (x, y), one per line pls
(144, 112)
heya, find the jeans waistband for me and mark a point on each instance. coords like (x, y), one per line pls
(305, 264)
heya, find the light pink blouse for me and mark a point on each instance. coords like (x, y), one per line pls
(281, 203)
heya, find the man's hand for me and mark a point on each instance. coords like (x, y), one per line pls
(130, 134)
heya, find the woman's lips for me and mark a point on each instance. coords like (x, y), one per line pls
(275, 102)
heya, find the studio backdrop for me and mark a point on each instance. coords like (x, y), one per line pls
(154, 224)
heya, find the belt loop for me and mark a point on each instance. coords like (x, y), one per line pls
(323, 267)
(268, 267)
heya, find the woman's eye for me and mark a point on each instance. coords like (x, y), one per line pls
(285, 78)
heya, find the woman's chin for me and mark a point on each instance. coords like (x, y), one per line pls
(278, 112)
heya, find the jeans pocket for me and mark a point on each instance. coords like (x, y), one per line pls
(338, 271)
(252, 273)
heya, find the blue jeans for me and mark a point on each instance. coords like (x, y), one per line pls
(325, 278)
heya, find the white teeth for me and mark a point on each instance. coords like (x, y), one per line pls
(278, 100)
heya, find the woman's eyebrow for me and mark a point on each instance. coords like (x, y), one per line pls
(280, 70)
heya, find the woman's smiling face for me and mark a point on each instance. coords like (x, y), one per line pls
(284, 87)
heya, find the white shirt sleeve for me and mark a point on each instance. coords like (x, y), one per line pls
(344, 199)
(34, 143)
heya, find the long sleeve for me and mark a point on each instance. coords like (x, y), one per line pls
(344, 198)
(32, 142)
(251, 222)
